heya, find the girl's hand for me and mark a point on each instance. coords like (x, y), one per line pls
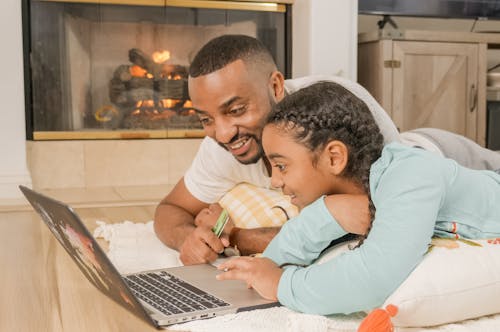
(261, 274)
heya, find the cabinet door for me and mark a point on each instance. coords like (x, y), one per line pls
(372, 72)
(435, 86)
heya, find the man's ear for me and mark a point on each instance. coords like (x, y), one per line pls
(337, 155)
(277, 85)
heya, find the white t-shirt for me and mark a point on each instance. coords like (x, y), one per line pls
(215, 171)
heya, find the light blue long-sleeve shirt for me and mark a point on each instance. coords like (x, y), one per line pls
(416, 194)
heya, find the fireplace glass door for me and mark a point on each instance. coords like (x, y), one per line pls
(111, 71)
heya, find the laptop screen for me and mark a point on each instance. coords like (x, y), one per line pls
(84, 250)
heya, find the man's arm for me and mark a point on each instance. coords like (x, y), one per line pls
(252, 241)
(174, 226)
(350, 211)
(248, 241)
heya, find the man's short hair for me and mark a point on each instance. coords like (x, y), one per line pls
(223, 50)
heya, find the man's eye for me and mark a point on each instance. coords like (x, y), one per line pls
(237, 110)
(205, 121)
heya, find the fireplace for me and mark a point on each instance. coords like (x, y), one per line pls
(117, 69)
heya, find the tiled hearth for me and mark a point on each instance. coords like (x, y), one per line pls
(108, 173)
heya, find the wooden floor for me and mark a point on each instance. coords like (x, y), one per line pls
(43, 290)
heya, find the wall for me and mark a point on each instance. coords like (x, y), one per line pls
(324, 38)
(13, 169)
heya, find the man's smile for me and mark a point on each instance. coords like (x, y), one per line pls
(240, 146)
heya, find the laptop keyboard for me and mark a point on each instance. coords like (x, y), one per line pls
(169, 294)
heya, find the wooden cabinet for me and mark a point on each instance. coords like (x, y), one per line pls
(427, 79)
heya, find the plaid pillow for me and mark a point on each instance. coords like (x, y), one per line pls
(250, 206)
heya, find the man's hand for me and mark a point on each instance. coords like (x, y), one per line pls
(201, 246)
(262, 274)
(174, 226)
(208, 217)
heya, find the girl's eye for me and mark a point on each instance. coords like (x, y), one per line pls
(280, 167)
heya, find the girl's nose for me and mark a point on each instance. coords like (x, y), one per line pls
(276, 181)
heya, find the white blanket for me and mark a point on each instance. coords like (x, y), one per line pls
(133, 247)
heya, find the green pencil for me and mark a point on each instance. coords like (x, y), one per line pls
(221, 222)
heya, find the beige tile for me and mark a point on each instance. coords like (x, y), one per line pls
(15, 204)
(126, 162)
(90, 196)
(56, 164)
(153, 193)
(117, 163)
(182, 152)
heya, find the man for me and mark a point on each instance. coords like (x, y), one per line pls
(233, 84)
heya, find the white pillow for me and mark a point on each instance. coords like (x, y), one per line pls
(449, 285)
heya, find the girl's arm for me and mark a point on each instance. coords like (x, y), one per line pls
(304, 237)
(263, 274)
(350, 211)
(408, 199)
(317, 225)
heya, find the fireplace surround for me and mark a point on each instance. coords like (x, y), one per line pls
(117, 69)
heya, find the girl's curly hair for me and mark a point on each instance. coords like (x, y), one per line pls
(326, 111)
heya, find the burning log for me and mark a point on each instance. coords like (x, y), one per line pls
(141, 82)
(138, 57)
(174, 72)
(122, 73)
(118, 92)
(148, 94)
(172, 89)
(139, 88)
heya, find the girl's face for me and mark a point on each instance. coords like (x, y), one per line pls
(293, 170)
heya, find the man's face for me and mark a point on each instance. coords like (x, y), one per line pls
(232, 105)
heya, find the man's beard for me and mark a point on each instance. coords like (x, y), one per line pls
(260, 149)
(254, 159)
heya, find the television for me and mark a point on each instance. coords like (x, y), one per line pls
(466, 9)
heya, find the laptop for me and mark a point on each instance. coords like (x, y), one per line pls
(159, 297)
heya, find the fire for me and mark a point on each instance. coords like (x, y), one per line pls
(161, 56)
(137, 71)
(150, 107)
(169, 103)
(145, 104)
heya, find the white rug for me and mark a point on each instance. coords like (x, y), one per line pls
(134, 247)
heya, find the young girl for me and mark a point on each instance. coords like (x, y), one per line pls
(322, 140)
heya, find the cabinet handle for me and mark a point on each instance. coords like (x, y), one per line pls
(472, 98)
